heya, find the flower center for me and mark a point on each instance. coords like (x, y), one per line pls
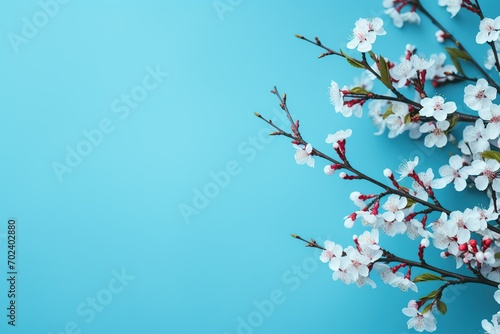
(490, 174)
(480, 95)
(495, 119)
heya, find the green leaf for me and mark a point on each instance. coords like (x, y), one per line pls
(409, 202)
(352, 61)
(497, 255)
(442, 307)
(407, 119)
(388, 112)
(372, 56)
(384, 73)
(453, 121)
(427, 308)
(427, 277)
(494, 155)
(358, 90)
(431, 295)
(457, 53)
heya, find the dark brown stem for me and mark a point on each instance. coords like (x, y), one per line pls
(389, 257)
(399, 97)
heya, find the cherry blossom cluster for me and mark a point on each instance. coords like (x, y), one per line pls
(408, 205)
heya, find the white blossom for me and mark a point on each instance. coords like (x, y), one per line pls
(437, 108)
(365, 33)
(303, 155)
(419, 321)
(488, 30)
(452, 6)
(436, 133)
(453, 172)
(479, 96)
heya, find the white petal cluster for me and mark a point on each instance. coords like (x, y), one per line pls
(452, 6)
(489, 30)
(394, 10)
(365, 33)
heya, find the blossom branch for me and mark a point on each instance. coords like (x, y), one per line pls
(389, 257)
(461, 117)
(491, 44)
(459, 45)
(297, 139)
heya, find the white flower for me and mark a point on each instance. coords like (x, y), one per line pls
(414, 228)
(488, 30)
(304, 155)
(437, 135)
(392, 227)
(479, 96)
(426, 179)
(419, 321)
(407, 167)
(487, 174)
(395, 122)
(338, 136)
(485, 215)
(437, 108)
(343, 276)
(494, 326)
(440, 72)
(404, 284)
(452, 6)
(331, 250)
(376, 25)
(368, 218)
(395, 14)
(355, 197)
(421, 63)
(492, 115)
(358, 263)
(452, 173)
(475, 139)
(396, 17)
(460, 224)
(376, 113)
(385, 272)
(441, 240)
(361, 281)
(369, 239)
(336, 96)
(403, 72)
(365, 33)
(394, 206)
(411, 17)
(490, 59)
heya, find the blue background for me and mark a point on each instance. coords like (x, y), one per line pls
(119, 210)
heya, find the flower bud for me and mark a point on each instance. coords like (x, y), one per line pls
(424, 242)
(387, 172)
